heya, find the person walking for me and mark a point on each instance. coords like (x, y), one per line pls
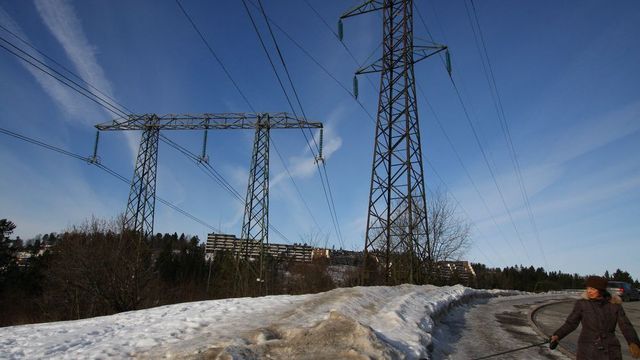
(599, 312)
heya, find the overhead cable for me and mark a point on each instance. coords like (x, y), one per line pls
(504, 125)
(486, 160)
(322, 181)
(102, 167)
(239, 90)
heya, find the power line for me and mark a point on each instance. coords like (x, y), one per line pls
(295, 185)
(455, 151)
(286, 70)
(102, 167)
(213, 53)
(466, 171)
(119, 112)
(71, 84)
(216, 176)
(493, 250)
(346, 48)
(85, 92)
(504, 125)
(25, 42)
(484, 156)
(373, 120)
(322, 67)
(228, 74)
(284, 65)
(255, 27)
(486, 161)
(42, 144)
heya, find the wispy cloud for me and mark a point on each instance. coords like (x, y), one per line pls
(563, 179)
(304, 164)
(63, 23)
(595, 132)
(66, 27)
(63, 96)
(554, 168)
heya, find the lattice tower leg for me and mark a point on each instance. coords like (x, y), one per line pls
(255, 225)
(397, 236)
(142, 197)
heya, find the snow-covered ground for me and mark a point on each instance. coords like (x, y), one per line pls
(376, 322)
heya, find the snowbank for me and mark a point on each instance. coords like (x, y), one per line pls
(387, 322)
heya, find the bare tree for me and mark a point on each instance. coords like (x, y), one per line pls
(412, 254)
(449, 233)
(97, 270)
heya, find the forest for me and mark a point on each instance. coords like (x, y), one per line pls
(93, 270)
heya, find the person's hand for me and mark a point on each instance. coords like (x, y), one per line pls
(554, 338)
(635, 350)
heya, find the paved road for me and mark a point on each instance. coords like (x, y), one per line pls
(551, 317)
(489, 326)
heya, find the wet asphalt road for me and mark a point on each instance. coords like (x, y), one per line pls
(488, 326)
(551, 317)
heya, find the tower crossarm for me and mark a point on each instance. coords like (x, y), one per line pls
(419, 53)
(366, 7)
(206, 121)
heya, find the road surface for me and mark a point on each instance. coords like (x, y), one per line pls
(493, 325)
(551, 317)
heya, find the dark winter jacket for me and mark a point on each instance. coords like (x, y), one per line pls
(597, 339)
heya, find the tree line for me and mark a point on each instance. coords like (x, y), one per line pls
(96, 269)
(537, 279)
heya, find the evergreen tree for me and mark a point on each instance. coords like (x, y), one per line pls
(620, 275)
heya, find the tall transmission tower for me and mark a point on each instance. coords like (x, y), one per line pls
(255, 227)
(142, 196)
(397, 245)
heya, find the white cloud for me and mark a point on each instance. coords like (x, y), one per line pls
(596, 132)
(64, 97)
(64, 24)
(553, 170)
(304, 164)
(66, 27)
(582, 196)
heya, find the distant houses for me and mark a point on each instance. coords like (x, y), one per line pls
(446, 271)
(251, 248)
(23, 257)
(455, 272)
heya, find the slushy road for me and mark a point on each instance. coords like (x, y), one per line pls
(488, 326)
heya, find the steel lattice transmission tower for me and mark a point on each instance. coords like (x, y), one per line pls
(141, 204)
(142, 196)
(255, 225)
(250, 279)
(397, 231)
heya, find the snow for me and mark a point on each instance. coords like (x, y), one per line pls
(376, 322)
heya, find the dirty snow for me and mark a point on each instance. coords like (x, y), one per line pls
(359, 322)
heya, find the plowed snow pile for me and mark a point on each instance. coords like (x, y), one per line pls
(345, 323)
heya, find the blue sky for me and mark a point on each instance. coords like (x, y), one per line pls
(566, 72)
